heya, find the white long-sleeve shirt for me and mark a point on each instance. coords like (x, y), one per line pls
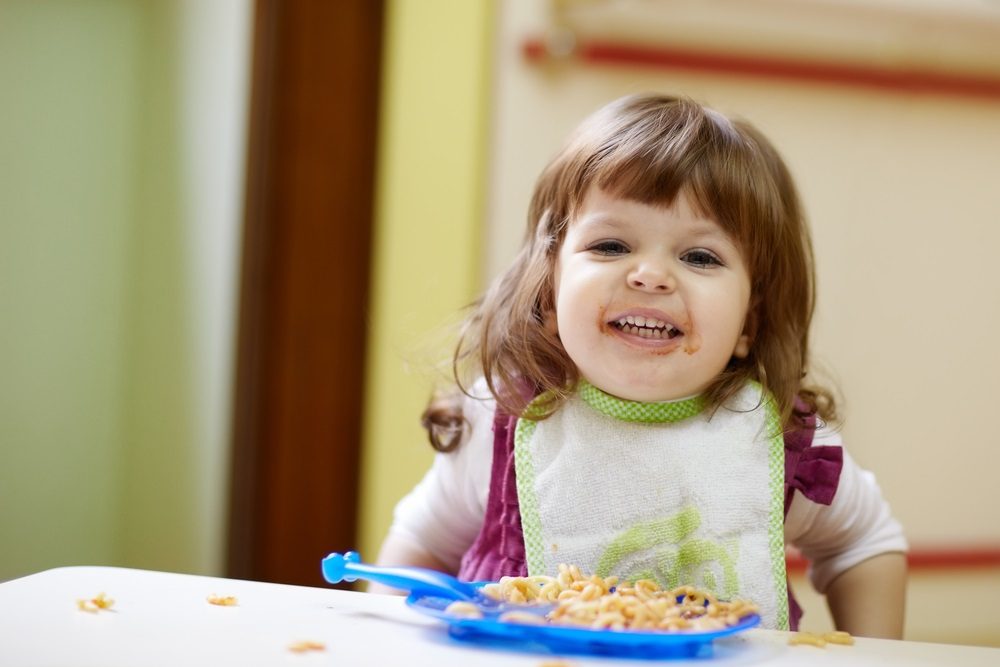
(444, 512)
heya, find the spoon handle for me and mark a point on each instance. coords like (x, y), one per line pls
(348, 567)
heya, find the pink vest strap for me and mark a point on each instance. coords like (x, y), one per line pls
(499, 549)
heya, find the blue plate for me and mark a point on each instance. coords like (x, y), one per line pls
(562, 639)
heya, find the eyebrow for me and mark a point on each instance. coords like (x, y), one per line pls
(714, 231)
(705, 228)
(602, 220)
(597, 217)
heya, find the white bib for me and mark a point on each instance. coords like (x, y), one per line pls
(660, 491)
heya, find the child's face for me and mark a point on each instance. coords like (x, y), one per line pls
(676, 280)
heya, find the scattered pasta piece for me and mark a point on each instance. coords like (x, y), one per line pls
(813, 639)
(464, 609)
(807, 639)
(306, 646)
(556, 663)
(94, 605)
(222, 601)
(839, 637)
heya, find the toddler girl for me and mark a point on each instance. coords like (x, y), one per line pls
(633, 396)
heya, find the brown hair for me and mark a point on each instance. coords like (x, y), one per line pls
(649, 148)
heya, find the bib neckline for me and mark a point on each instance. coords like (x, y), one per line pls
(636, 411)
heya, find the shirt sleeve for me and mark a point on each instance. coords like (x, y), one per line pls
(444, 512)
(856, 526)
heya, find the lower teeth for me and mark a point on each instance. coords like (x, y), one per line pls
(646, 332)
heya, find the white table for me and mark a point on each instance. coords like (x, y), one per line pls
(160, 618)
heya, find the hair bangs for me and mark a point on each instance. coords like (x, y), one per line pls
(650, 159)
(683, 148)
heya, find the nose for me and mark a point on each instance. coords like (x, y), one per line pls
(651, 278)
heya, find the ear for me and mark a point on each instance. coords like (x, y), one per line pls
(742, 348)
(743, 343)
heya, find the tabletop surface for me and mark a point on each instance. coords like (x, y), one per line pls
(160, 618)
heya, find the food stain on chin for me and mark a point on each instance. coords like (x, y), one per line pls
(602, 324)
(692, 342)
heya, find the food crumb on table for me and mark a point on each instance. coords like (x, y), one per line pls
(95, 604)
(821, 640)
(222, 601)
(305, 646)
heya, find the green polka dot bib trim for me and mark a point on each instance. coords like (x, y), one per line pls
(634, 411)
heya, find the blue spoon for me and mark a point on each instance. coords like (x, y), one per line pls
(420, 582)
(348, 567)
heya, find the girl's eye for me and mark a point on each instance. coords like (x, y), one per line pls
(609, 247)
(701, 258)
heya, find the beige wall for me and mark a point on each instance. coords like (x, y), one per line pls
(900, 190)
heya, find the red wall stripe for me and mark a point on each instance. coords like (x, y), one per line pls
(911, 80)
(925, 559)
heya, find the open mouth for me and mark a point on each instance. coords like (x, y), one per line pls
(647, 327)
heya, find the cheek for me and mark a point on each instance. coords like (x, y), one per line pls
(562, 318)
(570, 311)
(551, 321)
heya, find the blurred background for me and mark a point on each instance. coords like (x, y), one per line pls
(235, 236)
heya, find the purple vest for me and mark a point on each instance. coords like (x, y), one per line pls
(499, 548)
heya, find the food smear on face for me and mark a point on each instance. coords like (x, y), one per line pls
(692, 341)
(645, 328)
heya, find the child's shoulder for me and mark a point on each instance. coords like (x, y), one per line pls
(478, 407)
(479, 399)
(826, 434)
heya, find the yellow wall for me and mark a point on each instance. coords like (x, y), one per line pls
(429, 209)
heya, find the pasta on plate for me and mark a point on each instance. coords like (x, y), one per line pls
(594, 602)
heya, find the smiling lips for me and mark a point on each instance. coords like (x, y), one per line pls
(646, 327)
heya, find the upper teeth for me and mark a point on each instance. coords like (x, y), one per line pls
(640, 321)
(645, 326)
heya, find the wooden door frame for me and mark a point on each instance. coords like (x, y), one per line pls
(304, 286)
